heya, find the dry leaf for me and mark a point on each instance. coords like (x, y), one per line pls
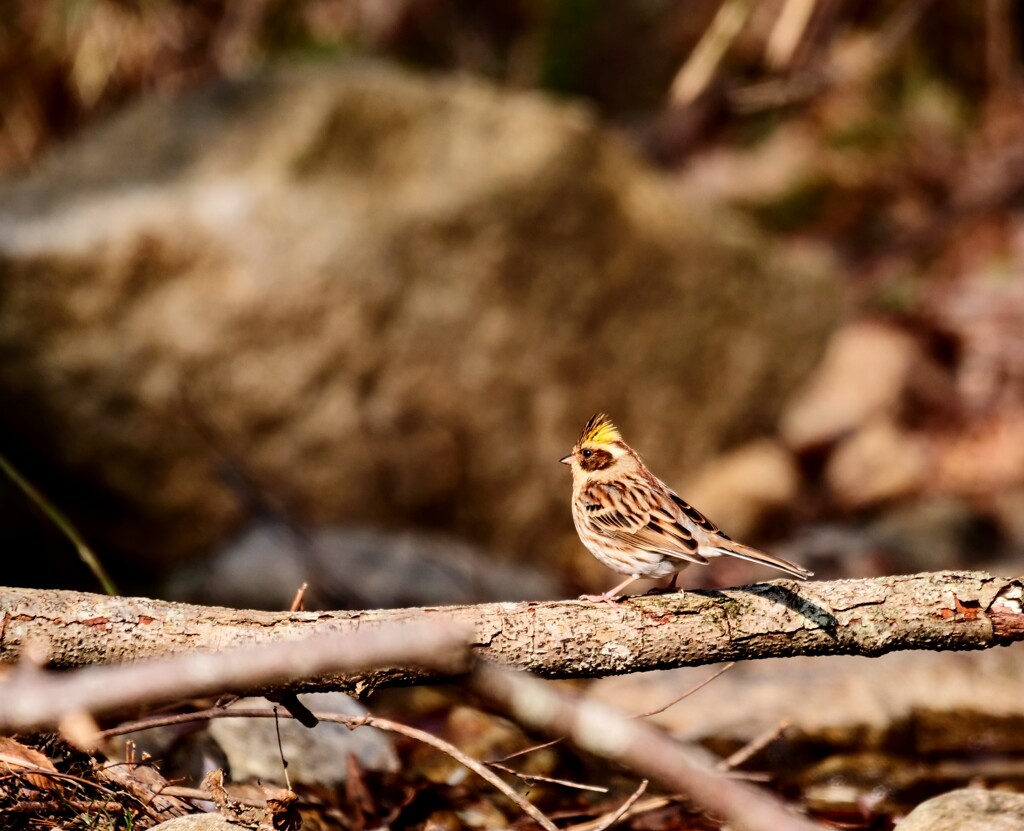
(14, 756)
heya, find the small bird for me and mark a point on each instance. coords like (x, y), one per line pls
(634, 523)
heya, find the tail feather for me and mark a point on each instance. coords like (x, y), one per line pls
(755, 555)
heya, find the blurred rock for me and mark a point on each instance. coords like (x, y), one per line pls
(315, 756)
(876, 464)
(1008, 510)
(932, 534)
(857, 786)
(983, 458)
(393, 299)
(746, 486)
(857, 703)
(968, 809)
(834, 551)
(927, 533)
(862, 376)
(353, 568)
(984, 311)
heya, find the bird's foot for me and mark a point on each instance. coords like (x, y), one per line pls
(610, 599)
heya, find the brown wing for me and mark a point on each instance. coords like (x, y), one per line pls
(631, 515)
(695, 516)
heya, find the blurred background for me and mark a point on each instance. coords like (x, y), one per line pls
(322, 290)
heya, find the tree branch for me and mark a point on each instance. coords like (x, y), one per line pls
(572, 639)
(34, 700)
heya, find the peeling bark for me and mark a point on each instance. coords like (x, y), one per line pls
(570, 639)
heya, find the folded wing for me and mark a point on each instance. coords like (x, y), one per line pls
(636, 518)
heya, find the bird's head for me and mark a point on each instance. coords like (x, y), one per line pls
(598, 448)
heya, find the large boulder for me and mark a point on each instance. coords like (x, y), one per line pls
(387, 298)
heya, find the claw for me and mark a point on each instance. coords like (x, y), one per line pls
(610, 599)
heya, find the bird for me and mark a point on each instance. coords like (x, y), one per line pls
(634, 523)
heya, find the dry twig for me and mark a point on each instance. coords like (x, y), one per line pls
(536, 777)
(33, 700)
(66, 526)
(787, 32)
(812, 82)
(298, 604)
(754, 746)
(352, 722)
(637, 745)
(608, 820)
(699, 69)
(688, 693)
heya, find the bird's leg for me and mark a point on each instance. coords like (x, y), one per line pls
(673, 585)
(667, 588)
(610, 596)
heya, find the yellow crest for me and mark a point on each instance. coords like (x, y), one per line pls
(600, 430)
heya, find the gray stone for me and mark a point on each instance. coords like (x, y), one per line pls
(353, 568)
(316, 756)
(969, 809)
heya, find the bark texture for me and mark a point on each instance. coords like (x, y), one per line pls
(570, 639)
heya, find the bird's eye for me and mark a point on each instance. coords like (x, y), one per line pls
(587, 454)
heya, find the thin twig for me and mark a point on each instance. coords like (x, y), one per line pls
(637, 745)
(787, 32)
(479, 768)
(662, 709)
(652, 803)
(352, 722)
(280, 750)
(608, 820)
(151, 722)
(57, 517)
(755, 745)
(536, 777)
(300, 596)
(800, 86)
(526, 750)
(689, 692)
(698, 70)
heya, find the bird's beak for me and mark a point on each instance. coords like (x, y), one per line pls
(566, 460)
